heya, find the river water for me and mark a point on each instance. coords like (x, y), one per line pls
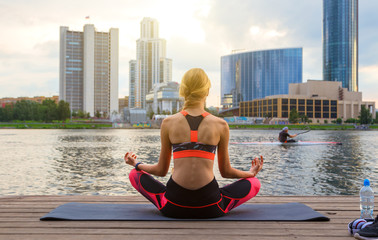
(90, 162)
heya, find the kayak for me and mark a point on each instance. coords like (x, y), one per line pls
(298, 143)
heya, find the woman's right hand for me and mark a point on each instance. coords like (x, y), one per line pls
(130, 158)
(257, 165)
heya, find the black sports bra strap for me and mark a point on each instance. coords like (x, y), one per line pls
(194, 122)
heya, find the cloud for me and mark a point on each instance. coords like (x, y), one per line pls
(198, 33)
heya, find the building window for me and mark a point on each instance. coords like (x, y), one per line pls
(284, 114)
(325, 109)
(293, 101)
(284, 101)
(318, 102)
(309, 102)
(310, 108)
(301, 101)
(325, 115)
(301, 108)
(318, 115)
(333, 115)
(333, 103)
(309, 114)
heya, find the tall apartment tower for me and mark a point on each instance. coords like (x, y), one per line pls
(340, 42)
(88, 73)
(132, 82)
(151, 66)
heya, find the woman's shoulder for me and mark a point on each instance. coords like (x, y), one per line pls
(172, 118)
(217, 120)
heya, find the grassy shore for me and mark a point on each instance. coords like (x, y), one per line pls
(102, 125)
(299, 127)
(34, 125)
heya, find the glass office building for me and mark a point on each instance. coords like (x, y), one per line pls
(340, 42)
(253, 75)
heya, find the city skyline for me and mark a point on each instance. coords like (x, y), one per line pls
(198, 33)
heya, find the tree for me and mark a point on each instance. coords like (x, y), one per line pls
(63, 110)
(293, 118)
(339, 121)
(50, 110)
(304, 118)
(365, 115)
(97, 114)
(80, 114)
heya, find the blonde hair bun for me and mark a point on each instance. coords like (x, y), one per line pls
(195, 85)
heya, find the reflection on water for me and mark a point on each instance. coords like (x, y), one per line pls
(91, 161)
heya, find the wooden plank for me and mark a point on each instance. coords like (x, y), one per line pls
(19, 217)
(181, 231)
(161, 237)
(167, 225)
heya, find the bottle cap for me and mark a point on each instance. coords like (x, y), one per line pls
(366, 182)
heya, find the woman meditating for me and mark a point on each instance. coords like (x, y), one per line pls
(193, 135)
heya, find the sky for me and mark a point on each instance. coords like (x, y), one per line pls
(198, 33)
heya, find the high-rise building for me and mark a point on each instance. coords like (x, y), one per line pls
(89, 69)
(246, 76)
(132, 82)
(340, 42)
(151, 66)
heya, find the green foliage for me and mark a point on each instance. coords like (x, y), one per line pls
(351, 120)
(294, 116)
(339, 121)
(63, 110)
(325, 121)
(304, 118)
(80, 114)
(213, 111)
(25, 110)
(365, 116)
(97, 114)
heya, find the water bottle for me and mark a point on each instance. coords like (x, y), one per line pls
(366, 200)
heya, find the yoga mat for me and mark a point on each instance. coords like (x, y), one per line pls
(148, 212)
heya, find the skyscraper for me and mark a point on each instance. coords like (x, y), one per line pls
(89, 69)
(253, 75)
(151, 65)
(340, 42)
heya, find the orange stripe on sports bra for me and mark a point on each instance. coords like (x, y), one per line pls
(193, 153)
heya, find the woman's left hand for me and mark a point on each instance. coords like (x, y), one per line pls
(130, 158)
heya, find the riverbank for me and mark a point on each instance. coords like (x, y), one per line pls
(300, 127)
(32, 125)
(105, 125)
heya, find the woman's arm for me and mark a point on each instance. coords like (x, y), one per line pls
(225, 168)
(161, 168)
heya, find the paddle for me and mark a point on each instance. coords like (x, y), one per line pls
(303, 132)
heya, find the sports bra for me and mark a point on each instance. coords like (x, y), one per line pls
(194, 148)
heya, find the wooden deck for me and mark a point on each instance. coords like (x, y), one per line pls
(19, 219)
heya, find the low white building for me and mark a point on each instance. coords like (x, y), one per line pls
(164, 97)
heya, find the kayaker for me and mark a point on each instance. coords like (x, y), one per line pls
(284, 134)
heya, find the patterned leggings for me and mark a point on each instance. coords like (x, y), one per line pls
(209, 201)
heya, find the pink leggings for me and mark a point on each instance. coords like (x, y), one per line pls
(207, 202)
